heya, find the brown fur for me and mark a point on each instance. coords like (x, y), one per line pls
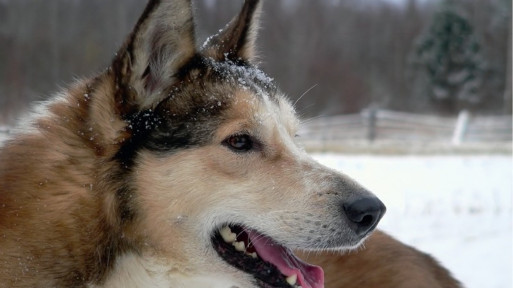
(382, 262)
(52, 189)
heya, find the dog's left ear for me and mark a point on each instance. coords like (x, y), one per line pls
(161, 43)
(236, 41)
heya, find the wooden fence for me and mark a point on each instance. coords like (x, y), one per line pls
(373, 126)
(389, 126)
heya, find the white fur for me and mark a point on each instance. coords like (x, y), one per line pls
(133, 271)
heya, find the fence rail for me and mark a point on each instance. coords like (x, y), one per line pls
(4, 130)
(398, 128)
(383, 125)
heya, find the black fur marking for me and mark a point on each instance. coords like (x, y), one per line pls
(140, 126)
(197, 62)
(157, 131)
(175, 138)
(126, 212)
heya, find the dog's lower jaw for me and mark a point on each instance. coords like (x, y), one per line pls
(134, 271)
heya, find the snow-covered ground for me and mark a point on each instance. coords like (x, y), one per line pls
(457, 208)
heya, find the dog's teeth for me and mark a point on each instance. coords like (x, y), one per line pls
(253, 255)
(292, 279)
(227, 234)
(239, 246)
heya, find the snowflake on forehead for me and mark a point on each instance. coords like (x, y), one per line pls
(246, 76)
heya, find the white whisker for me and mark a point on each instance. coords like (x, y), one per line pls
(308, 90)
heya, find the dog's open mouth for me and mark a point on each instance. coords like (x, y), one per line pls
(272, 265)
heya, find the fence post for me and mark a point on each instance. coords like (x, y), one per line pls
(461, 127)
(371, 123)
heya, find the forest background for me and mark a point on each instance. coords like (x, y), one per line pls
(346, 55)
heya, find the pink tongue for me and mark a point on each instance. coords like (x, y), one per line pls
(308, 276)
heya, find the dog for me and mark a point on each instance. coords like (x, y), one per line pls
(177, 166)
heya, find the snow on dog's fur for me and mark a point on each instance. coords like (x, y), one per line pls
(175, 167)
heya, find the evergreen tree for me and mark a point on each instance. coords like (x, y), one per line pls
(450, 56)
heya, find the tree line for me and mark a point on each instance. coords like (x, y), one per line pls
(338, 56)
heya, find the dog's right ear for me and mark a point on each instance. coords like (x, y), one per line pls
(236, 41)
(161, 43)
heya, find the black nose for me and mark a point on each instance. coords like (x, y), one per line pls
(364, 214)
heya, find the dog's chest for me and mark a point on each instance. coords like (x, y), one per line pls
(133, 271)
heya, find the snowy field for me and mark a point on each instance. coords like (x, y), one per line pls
(456, 208)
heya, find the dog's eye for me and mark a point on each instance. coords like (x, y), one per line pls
(239, 143)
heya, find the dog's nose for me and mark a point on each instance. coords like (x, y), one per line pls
(364, 214)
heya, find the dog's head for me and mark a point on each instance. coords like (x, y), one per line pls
(217, 182)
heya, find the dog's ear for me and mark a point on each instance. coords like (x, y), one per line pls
(161, 43)
(236, 41)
